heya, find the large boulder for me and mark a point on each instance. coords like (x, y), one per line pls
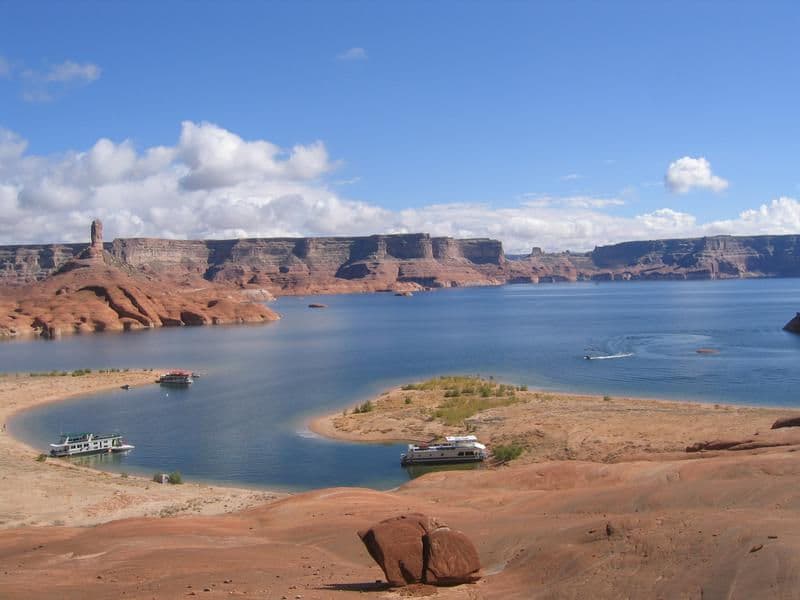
(449, 557)
(415, 548)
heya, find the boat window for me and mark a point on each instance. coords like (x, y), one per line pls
(461, 454)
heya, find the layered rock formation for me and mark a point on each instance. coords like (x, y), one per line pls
(719, 257)
(405, 262)
(96, 292)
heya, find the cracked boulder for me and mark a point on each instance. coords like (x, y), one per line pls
(415, 548)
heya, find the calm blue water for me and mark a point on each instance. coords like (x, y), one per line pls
(243, 421)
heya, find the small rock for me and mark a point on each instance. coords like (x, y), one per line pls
(756, 548)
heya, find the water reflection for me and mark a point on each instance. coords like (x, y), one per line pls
(102, 460)
(414, 471)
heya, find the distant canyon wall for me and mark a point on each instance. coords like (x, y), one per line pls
(412, 261)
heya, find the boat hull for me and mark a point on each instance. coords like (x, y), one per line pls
(439, 460)
(63, 453)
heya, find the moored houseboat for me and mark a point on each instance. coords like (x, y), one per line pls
(175, 378)
(455, 449)
(74, 444)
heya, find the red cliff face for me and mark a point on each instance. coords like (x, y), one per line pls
(97, 292)
(407, 261)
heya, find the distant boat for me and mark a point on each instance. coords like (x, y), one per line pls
(608, 356)
(177, 378)
(76, 444)
(456, 449)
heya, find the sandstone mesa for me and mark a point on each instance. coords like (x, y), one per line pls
(94, 291)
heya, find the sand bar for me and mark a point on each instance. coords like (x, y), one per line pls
(558, 426)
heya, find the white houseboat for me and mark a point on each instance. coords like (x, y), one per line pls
(455, 449)
(74, 444)
(175, 378)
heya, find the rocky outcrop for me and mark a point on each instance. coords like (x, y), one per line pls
(793, 326)
(786, 422)
(95, 292)
(415, 548)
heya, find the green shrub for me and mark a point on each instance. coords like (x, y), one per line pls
(606, 398)
(507, 452)
(364, 408)
(41, 458)
(175, 477)
(407, 399)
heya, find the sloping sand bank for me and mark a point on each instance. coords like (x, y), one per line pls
(726, 527)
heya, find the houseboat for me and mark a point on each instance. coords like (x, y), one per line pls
(455, 449)
(175, 378)
(75, 444)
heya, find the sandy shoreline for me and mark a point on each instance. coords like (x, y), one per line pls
(563, 426)
(58, 492)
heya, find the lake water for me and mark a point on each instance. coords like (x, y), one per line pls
(244, 421)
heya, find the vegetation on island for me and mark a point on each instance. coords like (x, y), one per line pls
(364, 408)
(464, 396)
(174, 478)
(507, 452)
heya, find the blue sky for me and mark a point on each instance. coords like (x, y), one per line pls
(551, 123)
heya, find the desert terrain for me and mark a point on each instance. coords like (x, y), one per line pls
(609, 505)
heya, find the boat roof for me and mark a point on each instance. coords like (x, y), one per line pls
(446, 445)
(461, 438)
(178, 372)
(88, 433)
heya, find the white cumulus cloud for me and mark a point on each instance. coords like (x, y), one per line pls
(212, 183)
(690, 173)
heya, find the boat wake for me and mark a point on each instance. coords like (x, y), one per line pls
(608, 356)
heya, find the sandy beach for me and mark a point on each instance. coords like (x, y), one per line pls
(602, 503)
(57, 492)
